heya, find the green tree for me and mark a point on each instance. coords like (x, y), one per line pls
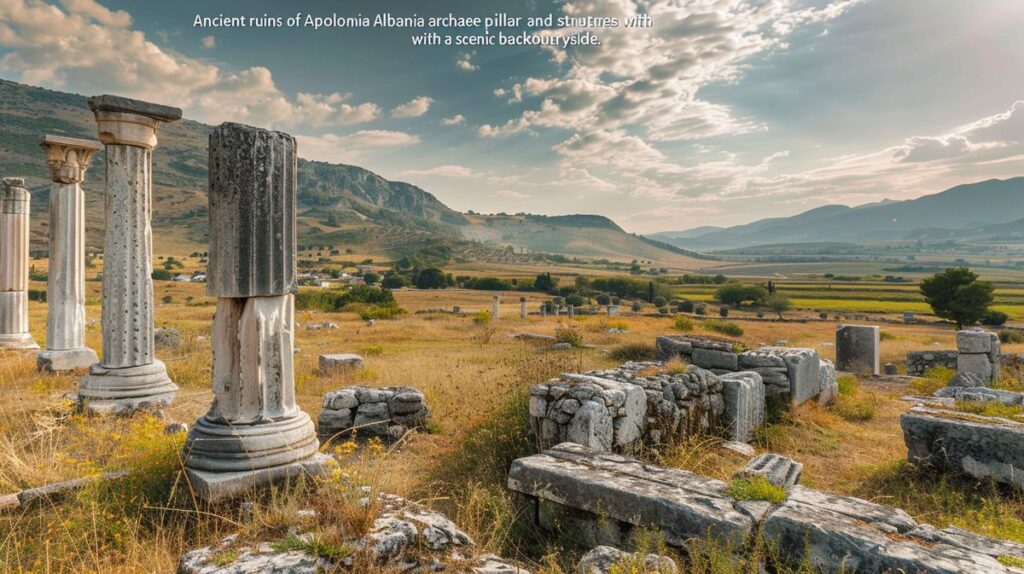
(957, 295)
(737, 294)
(779, 304)
(545, 282)
(430, 278)
(394, 280)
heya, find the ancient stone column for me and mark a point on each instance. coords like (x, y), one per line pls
(254, 433)
(67, 160)
(543, 311)
(613, 310)
(572, 311)
(128, 376)
(495, 307)
(14, 224)
(522, 308)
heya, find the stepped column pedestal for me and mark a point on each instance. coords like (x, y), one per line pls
(128, 376)
(67, 159)
(254, 433)
(14, 225)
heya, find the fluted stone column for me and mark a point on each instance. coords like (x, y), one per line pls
(254, 433)
(67, 159)
(129, 375)
(14, 224)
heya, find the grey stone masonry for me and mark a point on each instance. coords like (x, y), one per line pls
(254, 432)
(920, 361)
(978, 446)
(827, 383)
(978, 354)
(623, 408)
(743, 396)
(67, 160)
(775, 468)
(857, 349)
(129, 375)
(604, 498)
(252, 199)
(803, 367)
(366, 412)
(14, 241)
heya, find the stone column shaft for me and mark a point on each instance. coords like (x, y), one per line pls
(129, 375)
(68, 160)
(522, 308)
(14, 238)
(495, 307)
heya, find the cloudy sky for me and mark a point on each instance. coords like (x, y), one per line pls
(723, 112)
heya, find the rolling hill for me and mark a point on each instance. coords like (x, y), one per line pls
(947, 214)
(338, 204)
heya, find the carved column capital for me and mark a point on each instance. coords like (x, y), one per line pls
(68, 158)
(122, 121)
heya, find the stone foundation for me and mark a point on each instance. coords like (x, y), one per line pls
(368, 412)
(920, 361)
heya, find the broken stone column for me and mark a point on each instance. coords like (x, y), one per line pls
(522, 307)
(68, 159)
(128, 376)
(613, 310)
(495, 307)
(254, 433)
(572, 311)
(14, 224)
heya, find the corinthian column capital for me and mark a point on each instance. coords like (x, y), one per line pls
(68, 158)
(123, 121)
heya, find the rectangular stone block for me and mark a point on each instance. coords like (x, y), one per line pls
(714, 359)
(857, 349)
(120, 104)
(804, 368)
(743, 394)
(252, 212)
(973, 341)
(978, 364)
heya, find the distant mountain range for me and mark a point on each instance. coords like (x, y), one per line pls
(338, 204)
(985, 211)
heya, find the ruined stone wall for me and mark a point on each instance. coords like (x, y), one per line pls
(920, 361)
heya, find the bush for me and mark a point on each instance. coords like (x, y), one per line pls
(430, 278)
(162, 275)
(847, 385)
(701, 309)
(934, 379)
(1008, 336)
(683, 324)
(755, 488)
(723, 311)
(857, 408)
(482, 317)
(569, 334)
(636, 307)
(634, 352)
(994, 318)
(603, 299)
(329, 300)
(167, 299)
(686, 306)
(383, 311)
(737, 294)
(659, 302)
(663, 310)
(989, 409)
(725, 328)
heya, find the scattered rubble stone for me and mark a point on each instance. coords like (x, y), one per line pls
(167, 338)
(603, 559)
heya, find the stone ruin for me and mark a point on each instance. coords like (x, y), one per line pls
(366, 412)
(857, 349)
(790, 374)
(254, 433)
(339, 362)
(67, 160)
(606, 498)
(14, 239)
(128, 376)
(920, 361)
(982, 356)
(638, 404)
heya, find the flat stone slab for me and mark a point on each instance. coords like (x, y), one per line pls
(110, 103)
(975, 445)
(340, 361)
(218, 486)
(51, 361)
(681, 504)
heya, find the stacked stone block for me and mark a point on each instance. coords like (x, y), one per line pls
(978, 354)
(599, 413)
(367, 412)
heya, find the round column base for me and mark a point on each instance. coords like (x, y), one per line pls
(126, 389)
(19, 341)
(219, 446)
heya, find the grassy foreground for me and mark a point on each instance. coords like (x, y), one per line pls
(475, 379)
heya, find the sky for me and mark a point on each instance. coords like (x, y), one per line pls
(720, 113)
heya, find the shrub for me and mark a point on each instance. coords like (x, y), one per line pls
(1008, 336)
(723, 311)
(989, 409)
(681, 323)
(934, 379)
(636, 307)
(725, 328)
(856, 408)
(482, 317)
(686, 306)
(823, 316)
(663, 310)
(167, 299)
(994, 318)
(847, 385)
(737, 294)
(755, 488)
(603, 299)
(634, 352)
(162, 275)
(701, 309)
(886, 336)
(382, 311)
(659, 302)
(569, 334)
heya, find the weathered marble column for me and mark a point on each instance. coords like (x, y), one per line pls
(254, 433)
(495, 307)
(522, 308)
(572, 311)
(14, 223)
(68, 159)
(128, 376)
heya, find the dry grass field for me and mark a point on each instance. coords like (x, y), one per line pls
(475, 378)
